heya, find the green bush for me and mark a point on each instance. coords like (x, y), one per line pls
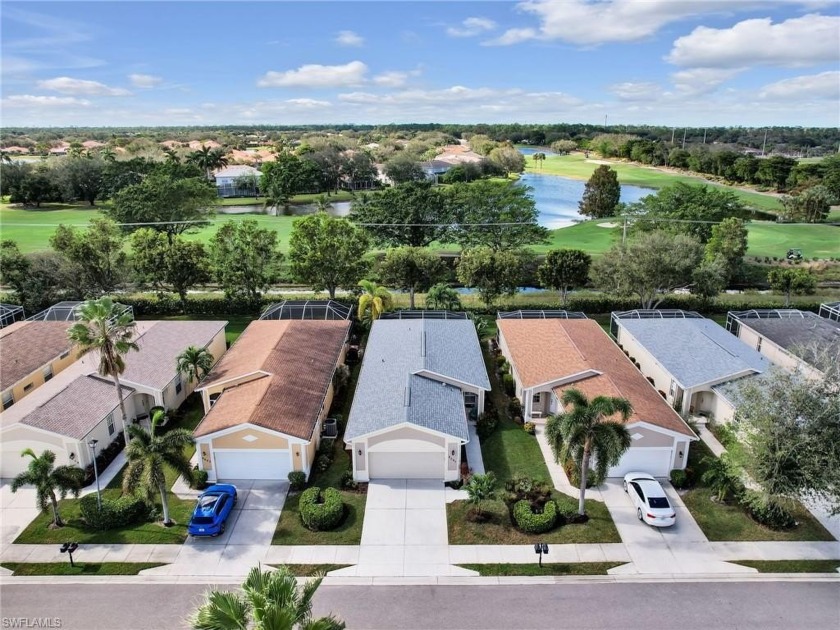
(297, 480)
(522, 488)
(347, 481)
(533, 523)
(530, 428)
(679, 478)
(766, 511)
(501, 362)
(322, 462)
(515, 408)
(487, 423)
(573, 473)
(509, 384)
(115, 512)
(724, 433)
(199, 480)
(321, 510)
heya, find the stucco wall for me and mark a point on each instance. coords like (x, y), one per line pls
(264, 440)
(406, 433)
(36, 377)
(650, 438)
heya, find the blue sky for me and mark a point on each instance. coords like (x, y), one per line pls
(674, 62)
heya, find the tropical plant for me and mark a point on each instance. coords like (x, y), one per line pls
(208, 160)
(586, 431)
(481, 488)
(374, 301)
(195, 362)
(148, 456)
(721, 477)
(107, 328)
(443, 297)
(271, 600)
(48, 480)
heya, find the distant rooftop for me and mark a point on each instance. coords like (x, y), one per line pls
(804, 334)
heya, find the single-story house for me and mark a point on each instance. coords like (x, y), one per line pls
(420, 378)
(266, 400)
(789, 338)
(78, 404)
(550, 355)
(435, 169)
(686, 357)
(238, 181)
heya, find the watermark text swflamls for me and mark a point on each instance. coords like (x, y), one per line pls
(31, 622)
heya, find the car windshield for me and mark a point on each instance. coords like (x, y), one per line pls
(202, 520)
(658, 502)
(208, 500)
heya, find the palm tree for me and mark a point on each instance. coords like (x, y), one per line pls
(374, 301)
(195, 362)
(323, 204)
(586, 431)
(104, 326)
(720, 476)
(270, 601)
(538, 158)
(481, 488)
(171, 155)
(208, 160)
(148, 456)
(47, 479)
(107, 154)
(443, 297)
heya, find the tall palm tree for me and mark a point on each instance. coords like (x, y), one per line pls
(539, 158)
(48, 480)
(107, 154)
(323, 204)
(270, 601)
(586, 431)
(208, 160)
(105, 327)
(374, 301)
(148, 456)
(195, 362)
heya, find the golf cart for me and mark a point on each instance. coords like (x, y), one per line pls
(794, 254)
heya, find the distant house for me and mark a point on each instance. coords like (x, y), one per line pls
(238, 181)
(435, 169)
(92, 144)
(58, 151)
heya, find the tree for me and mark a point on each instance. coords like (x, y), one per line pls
(48, 480)
(14, 267)
(37, 186)
(791, 281)
(729, 242)
(563, 146)
(177, 263)
(208, 160)
(195, 362)
(812, 205)
(497, 214)
(105, 328)
(443, 297)
(601, 194)
(774, 171)
(564, 269)
(40, 279)
(281, 180)
(721, 476)
(327, 252)
(97, 251)
(413, 214)
(271, 600)
(244, 258)
(587, 431)
(373, 301)
(148, 456)
(492, 273)
(481, 488)
(508, 159)
(403, 169)
(482, 144)
(83, 178)
(411, 269)
(171, 206)
(538, 158)
(650, 265)
(709, 279)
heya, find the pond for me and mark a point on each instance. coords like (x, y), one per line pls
(337, 208)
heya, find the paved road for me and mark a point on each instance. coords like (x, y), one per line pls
(689, 606)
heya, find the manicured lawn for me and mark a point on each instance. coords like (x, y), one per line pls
(309, 570)
(81, 568)
(792, 566)
(774, 239)
(559, 568)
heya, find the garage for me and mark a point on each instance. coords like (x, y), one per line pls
(654, 461)
(252, 464)
(406, 465)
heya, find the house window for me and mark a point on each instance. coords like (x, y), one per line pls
(48, 373)
(28, 388)
(178, 385)
(111, 423)
(64, 354)
(8, 400)
(537, 398)
(470, 399)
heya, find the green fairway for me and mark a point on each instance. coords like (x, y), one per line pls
(577, 167)
(774, 239)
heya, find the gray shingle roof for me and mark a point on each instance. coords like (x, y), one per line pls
(800, 335)
(396, 351)
(695, 351)
(78, 408)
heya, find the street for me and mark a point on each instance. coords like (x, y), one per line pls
(621, 606)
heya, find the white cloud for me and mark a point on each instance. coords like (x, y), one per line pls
(825, 85)
(144, 80)
(349, 38)
(630, 91)
(30, 100)
(392, 78)
(458, 96)
(471, 27)
(317, 76)
(702, 80)
(799, 41)
(308, 103)
(68, 85)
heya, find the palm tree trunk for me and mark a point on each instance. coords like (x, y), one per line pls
(118, 385)
(56, 517)
(584, 469)
(164, 505)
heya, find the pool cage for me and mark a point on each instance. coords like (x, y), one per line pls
(69, 312)
(830, 311)
(424, 314)
(10, 313)
(734, 318)
(667, 313)
(541, 315)
(307, 309)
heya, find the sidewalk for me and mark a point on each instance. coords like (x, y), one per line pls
(710, 440)
(106, 476)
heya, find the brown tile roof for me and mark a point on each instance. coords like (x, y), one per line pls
(594, 349)
(28, 346)
(299, 357)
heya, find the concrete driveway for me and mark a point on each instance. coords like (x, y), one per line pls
(17, 511)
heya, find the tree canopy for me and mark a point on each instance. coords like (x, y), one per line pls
(244, 258)
(601, 194)
(411, 269)
(564, 269)
(492, 273)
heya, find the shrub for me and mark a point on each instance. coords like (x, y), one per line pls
(529, 428)
(509, 384)
(501, 362)
(115, 512)
(487, 423)
(322, 462)
(321, 510)
(724, 433)
(573, 473)
(679, 478)
(532, 522)
(347, 480)
(515, 408)
(199, 480)
(104, 458)
(767, 511)
(297, 480)
(522, 488)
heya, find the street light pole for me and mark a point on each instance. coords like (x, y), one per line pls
(92, 444)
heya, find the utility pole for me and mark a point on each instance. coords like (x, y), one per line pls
(624, 232)
(685, 131)
(605, 122)
(764, 146)
(704, 136)
(673, 131)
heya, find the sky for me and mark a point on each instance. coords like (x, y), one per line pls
(667, 62)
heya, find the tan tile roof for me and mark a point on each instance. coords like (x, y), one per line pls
(592, 348)
(27, 346)
(299, 358)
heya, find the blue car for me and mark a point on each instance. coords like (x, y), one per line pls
(212, 510)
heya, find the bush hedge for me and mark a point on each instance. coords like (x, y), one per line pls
(104, 458)
(297, 480)
(573, 474)
(321, 510)
(199, 480)
(766, 511)
(679, 478)
(531, 522)
(529, 428)
(115, 513)
(487, 423)
(509, 384)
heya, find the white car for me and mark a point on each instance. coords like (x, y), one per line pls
(652, 504)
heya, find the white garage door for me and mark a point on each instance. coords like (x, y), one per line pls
(253, 464)
(654, 461)
(402, 465)
(12, 464)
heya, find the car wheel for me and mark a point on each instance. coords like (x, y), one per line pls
(222, 528)
(639, 513)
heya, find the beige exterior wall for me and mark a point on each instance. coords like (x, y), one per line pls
(774, 353)
(297, 456)
(206, 457)
(721, 411)
(36, 378)
(650, 438)
(264, 440)
(406, 433)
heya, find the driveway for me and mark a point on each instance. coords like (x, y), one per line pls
(17, 510)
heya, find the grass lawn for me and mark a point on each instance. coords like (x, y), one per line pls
(309, 570)
(81, 568)
(792, 566)
(560, 568)
(774, 239)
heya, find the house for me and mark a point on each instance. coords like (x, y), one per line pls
(556, 352)
(10, 313)
(238, 181)
(435, 169)
(78, 404)
(419, 382)
(687, 358)
(789, 338)
(266, 400)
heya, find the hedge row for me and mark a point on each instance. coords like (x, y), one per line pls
(321, 510)
(532, 523)
(115, 513)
